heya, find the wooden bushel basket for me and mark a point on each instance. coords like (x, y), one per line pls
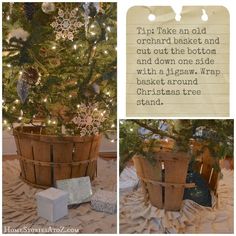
(205, 165)
(165, 191)
(47, 158)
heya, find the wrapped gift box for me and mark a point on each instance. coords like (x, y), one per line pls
(79, 189)
(104, 201)
(52, 204)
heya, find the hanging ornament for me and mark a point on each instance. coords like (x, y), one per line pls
(30, 76)
(96, 88)
(89, 119)
(94, 31)
(92, 9)
(43, 52)
(97, 6)
(18, 33)
(48, 7)
(22, 90)
(11, 7)
(54, 62)
(86, 14)
(29, 9)
(66, 24)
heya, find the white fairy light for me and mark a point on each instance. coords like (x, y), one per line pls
(49, 121)
(54, 122)
(5, 122)
(78, 106)
(20, 72)
(9, 127)
(131, 129)
(108, 93)
(9, 65)
(70, 96)
(75, 46)
(113, 126)
(106, 52)
(45, 99)
(8, 17)
(109, 28)
(112, 141)
(20, 118)
(17, 101)
(54, 47)
(13, 108)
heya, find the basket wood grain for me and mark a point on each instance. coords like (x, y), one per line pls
(47, 158)
(165, 191)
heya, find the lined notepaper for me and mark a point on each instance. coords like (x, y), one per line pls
(177, 68)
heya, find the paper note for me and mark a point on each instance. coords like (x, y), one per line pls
(177, 68)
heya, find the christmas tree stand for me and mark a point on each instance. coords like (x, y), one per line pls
(47, 158)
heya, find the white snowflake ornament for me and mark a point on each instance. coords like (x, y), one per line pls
(66, 24)
(89, 119)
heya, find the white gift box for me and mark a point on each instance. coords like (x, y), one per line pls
(52, 204)
(104, 201)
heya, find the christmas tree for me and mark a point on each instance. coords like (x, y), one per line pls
(59, 67)
(140, 136)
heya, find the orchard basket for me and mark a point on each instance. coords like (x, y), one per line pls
(47, 158)
(205, 164)
(164, 180)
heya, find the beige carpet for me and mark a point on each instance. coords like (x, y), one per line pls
(135, 217)
(19, 205)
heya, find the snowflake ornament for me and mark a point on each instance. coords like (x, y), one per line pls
(66, 24)
(89, 119)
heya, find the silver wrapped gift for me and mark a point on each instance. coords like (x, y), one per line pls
(104, 201)
(79, 189)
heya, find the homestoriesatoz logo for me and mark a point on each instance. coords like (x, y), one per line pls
(50, 229)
